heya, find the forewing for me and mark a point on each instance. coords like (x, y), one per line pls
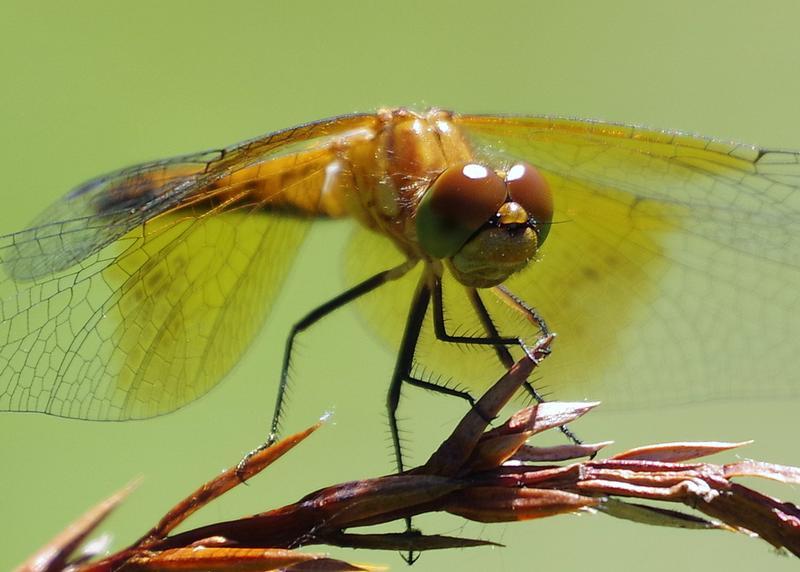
(672, 269)
(104, 209)
(151, 318)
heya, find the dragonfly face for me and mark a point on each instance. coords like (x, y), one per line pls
(670, 260)
(486, 227)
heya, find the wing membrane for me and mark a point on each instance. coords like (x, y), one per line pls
(104, 209)
(672, 271)
(737, 195)
(144, 315)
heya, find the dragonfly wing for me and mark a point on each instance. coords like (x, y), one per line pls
(149, 320)
(672, 270)
(95, 214)
(103, 209)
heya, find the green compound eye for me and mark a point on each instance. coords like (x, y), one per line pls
(459, 202)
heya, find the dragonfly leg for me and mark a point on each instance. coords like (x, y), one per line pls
(430, 386)
(408, 346)
(402, 373)
(503, 354)
(317, 314)
(498, 342)
(405, 362)
(516, 303)
(405, 359)
(307, 321)
(493, 339)
(451, 391)
(502, 351)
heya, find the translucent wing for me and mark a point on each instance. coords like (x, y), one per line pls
(103, 209)
(97, 213)
(672, 270)
(167, 271)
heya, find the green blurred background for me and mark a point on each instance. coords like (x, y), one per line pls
(91, 86)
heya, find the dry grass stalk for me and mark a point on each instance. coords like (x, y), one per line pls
(482, 475)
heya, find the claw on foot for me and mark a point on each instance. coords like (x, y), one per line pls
(241, 466)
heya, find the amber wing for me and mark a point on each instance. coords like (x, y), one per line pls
(672, 270)
(139, 290)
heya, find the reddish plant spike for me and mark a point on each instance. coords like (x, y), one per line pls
(677, 452)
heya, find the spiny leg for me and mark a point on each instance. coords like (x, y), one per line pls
(402, 372)
(408, 347)
(493, 339)
(317, 314)
(529, 313)
(405, 361)
(307, 321)
(431, 386)
(503, 354)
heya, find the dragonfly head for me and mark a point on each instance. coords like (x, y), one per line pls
(487, 225)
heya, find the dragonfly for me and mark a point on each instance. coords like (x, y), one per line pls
(668, 263)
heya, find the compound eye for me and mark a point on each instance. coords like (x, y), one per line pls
(459, 202)
(528, 187)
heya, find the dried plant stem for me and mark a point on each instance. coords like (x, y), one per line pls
(484, 475)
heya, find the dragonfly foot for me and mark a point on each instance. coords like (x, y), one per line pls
(411, 556)
(241, 466)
